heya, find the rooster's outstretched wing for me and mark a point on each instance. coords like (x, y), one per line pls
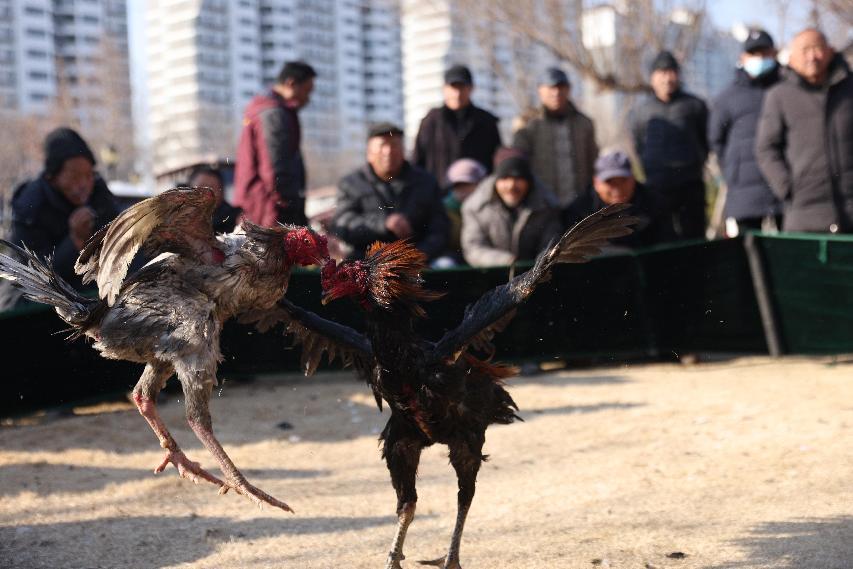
(492, 312)
(317, 336)
(176, 221)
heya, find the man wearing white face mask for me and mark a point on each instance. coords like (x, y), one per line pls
(732, 129)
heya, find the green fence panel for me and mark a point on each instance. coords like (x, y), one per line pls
(691, 297)
(702, 299)
(811, 282)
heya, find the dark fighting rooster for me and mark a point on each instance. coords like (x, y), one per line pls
(169, 314)
(438, 392)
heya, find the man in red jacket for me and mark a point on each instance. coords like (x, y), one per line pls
(269, 177)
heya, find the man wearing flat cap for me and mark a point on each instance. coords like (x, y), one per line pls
(732, 129)
(560, 142)
(388, 199)
(669, 131)
(57, 212)
(457, 129)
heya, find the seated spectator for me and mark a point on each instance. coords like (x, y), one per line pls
(57, 212)
(509, 217)
(389, 199)
(225, 215)
(614, 183)
(463, 177)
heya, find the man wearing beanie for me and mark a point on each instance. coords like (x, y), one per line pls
(509, 217)
(669, 130)
(57, 212)
(388, 199)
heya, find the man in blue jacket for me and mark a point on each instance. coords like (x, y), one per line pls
(731, 134)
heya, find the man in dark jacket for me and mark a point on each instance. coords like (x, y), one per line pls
(670, 136)
(390, 199)
(614, 183)
(560, 142)
(458, 129)
(805, 138)
(731, 134)
(57, 212)
(269, 175)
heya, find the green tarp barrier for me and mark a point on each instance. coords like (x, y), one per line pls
(656, 303)
(810, 279)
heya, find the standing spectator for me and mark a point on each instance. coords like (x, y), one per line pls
(225, 215)
(614, 183)
(670, 136)
(463, 177)
(389, 199)
(805, 138)
(57, 212)
(732, 131)
(458, 129)
(269, 177)
(509, 217)
(561, 142)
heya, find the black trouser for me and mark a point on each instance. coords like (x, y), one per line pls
(686, 206)
(293, 212)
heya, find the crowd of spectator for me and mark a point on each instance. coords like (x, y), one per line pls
(783, 137)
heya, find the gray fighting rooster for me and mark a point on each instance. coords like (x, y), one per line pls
(169, 314)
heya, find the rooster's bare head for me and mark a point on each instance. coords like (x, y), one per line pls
(388, 277)
(305, 247)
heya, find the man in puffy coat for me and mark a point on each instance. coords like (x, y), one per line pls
(731, 134)
(805, 138)
(509, 217)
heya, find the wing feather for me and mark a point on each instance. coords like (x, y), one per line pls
(317, 336)
(176, 221)
(493, 311)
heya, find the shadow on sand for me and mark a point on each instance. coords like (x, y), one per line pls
(153, 541)
(823, 543)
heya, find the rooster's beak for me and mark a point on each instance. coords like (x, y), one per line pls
(327, 298)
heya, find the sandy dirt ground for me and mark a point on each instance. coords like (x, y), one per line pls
(738, 464)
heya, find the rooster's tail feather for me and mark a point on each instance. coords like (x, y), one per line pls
(39, 282)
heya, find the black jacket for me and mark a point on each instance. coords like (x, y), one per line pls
(365, 202)
(805, 149)
(446, 136)
(40, 221)
(671, 140)
(653, 226)
(732, 131)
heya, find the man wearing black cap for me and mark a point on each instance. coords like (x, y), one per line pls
(458, 129)
(389, 199)
(57, 212)
(669, 130)
(509, 217)
(732, 129)
(561, 141)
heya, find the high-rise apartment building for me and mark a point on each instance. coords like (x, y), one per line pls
(68, 60)
(207, 59)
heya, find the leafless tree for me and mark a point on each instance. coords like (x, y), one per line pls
(568, 29)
